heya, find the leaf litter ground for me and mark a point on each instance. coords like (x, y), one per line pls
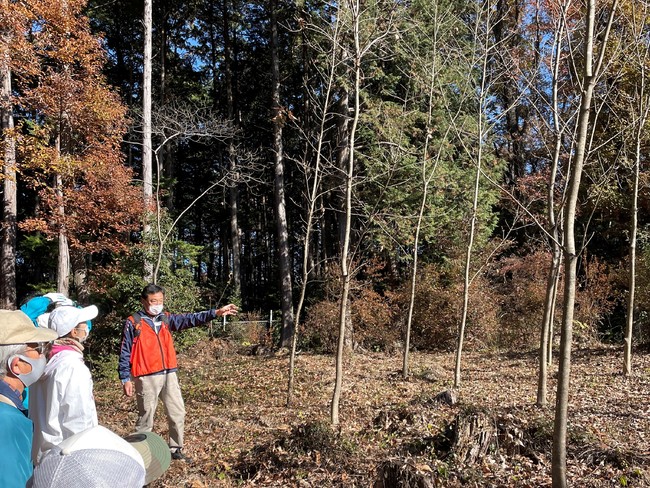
(395, 432)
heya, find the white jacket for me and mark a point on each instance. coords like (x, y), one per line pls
(61, 402)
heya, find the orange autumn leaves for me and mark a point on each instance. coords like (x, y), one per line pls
(71, 128)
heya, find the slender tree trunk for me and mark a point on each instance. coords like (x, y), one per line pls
(642, 102)
(466, 278)
(343, 308)
(427, 176)
(225, 269)
(79, 276)
(546, 339)
(63, 265)
(286, 292)
(627, 360)
(233, 189)
(312, 202)
(147, 148)
(644, 108)
(342, 161)
(589, 76)
(233, 201)
(9, 203)
(414, 272)
(345, 251)
(479, 160)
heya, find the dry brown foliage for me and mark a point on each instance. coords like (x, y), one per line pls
(240, 433)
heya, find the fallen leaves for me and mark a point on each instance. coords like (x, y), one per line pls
(240, 432)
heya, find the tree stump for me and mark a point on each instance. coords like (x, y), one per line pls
(447, 397)
(398, 473)
(472, 434)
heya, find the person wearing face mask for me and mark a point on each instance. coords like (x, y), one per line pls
(147, 365)
(21, 363)
(61, 403)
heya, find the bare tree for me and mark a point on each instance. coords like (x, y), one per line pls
(184, 122)
(486, 47)
(429, 164)
(314, 187)
(343, 122)
(639, 111)
(546, 339)
(479, 59)
(589, 76)
(354, 12)
(353, 8)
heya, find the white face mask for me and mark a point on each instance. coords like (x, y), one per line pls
(83, 339)
(38, 366)
(156, 309)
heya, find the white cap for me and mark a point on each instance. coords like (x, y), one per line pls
(59, 298)
(64, 319)
(43, 319)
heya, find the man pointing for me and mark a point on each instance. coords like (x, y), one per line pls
(147, 364)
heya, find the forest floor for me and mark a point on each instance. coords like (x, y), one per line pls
(394, 432)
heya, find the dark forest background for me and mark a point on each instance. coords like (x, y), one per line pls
(431, 73)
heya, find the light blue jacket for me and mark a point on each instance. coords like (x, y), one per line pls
(15, 448)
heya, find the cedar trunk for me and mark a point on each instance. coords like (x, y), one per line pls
(9, 204)
(286, 293)
(147, 148)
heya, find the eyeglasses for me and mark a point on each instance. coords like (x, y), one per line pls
(39, 347)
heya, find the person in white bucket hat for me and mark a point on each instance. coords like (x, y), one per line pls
(99, 458)
(92, 458)
(61, 403)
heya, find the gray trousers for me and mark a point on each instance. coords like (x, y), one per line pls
(164, 386)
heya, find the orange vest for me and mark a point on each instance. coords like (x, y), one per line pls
(151, 352)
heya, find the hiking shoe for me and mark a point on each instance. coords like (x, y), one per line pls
(179, 455)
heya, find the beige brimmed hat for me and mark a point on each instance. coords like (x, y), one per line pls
(154, 451)
(17, 328)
